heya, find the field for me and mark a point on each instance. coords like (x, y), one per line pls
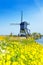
(20, 51)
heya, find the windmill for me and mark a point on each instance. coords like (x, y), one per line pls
(23, 26)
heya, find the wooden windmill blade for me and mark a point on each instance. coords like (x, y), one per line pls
(21, 16)
(14, 23)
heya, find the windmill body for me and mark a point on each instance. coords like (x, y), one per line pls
(23, 28)
(23, 25)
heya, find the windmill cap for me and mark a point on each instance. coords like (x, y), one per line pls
(24, 22)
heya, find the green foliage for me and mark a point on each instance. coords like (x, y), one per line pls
(11, 34)
(36, 35)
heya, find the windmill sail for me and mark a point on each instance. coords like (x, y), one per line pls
(15, 24)
(21, 16)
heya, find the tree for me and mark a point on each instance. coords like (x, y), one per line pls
(11, 34)
(36, 35)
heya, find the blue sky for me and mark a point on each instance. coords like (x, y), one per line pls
(10, 12)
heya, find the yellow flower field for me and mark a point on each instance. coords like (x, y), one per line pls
(2, 37)
(24, 52)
